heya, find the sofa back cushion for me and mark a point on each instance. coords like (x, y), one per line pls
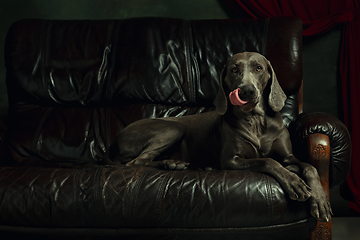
(74, 85)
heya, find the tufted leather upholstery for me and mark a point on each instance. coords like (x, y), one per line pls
(74, 85)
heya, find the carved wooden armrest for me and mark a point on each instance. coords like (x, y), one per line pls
(328, 148)
(319, 156)
(338, 138)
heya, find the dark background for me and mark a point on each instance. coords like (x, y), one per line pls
(320, 53)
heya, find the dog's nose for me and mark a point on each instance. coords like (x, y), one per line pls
(247, 92)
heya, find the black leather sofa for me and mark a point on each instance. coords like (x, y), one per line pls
(74, 85)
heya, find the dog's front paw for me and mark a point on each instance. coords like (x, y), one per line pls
(296, 187)
(174, 165)
(164, 164)
(320, 207)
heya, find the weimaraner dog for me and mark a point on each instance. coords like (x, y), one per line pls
(246, 132)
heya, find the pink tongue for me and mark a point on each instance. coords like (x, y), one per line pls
(235, 99)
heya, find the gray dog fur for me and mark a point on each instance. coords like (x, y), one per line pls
(244, 137)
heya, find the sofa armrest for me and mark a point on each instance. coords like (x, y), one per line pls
(324, 142)
(308, 124)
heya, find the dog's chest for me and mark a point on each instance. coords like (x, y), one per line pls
(252, 145)
(254, 139)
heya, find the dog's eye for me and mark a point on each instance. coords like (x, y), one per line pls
(259, 68)
(234, 70)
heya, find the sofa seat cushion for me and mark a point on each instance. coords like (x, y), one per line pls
(139, 197)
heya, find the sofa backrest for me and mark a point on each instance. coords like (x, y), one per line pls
(74, 85)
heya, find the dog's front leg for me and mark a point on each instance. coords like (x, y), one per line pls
(291, 182)
(319, 202)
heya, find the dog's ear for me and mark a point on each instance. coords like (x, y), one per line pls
(220, 101)
(277, 96)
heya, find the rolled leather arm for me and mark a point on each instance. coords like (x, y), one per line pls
(339, 137)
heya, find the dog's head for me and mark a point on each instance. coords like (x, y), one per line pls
(243, 82)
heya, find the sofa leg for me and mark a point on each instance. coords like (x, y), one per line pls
(319, 156)
(322, 231)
